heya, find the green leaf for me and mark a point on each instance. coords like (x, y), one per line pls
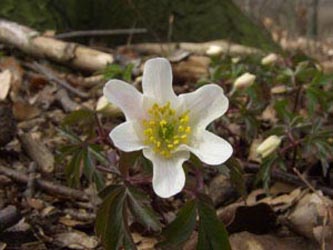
(111, 223)
(237, 175)
(179, 230)
(139, 206)
(212, 233)
(73, 168)
(82, 116)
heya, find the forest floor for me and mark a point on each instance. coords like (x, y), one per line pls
(280, 201)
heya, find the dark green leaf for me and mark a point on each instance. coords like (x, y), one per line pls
(111, 223)
(73, 169)
(212, 233)
(140, 207)
(237, 175)
(179, 230)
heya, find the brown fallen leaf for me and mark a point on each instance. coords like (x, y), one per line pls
(24, 111)
(76, 240)
(5, 83)
(312, 217)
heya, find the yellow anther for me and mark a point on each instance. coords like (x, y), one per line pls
(148, 131)
(164, 130)
(181, 129)
(163, 123)
(152, 139)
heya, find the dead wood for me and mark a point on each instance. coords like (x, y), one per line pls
(7, 125)
(196, 48)
(66, 102)
(46, 186)
(9, 216)
(38, 152)
(31, 42)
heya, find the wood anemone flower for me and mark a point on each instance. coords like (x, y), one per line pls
(167, 127)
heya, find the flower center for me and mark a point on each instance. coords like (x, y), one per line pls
(165, 130)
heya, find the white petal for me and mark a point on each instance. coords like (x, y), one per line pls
(126, 97)
(209, 148)
(168, 173)
(205, 104)
(125, 137)
(157, 80)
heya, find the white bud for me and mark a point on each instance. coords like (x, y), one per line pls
(107, 108)
(280, 89)
(235, 60)
(268, 146)
(214, 50)
(269, 59)
(244, 81)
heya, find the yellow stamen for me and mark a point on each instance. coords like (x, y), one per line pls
(165, 130)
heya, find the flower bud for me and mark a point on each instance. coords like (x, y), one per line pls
(244, 81)
(268, 146)
(107, 108)
(269, 59)
(214, 50)
(280, 89)
(235, 60)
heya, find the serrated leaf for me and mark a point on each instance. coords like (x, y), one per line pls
(111, 223)
(139, 206)
(212, 233)
(181, 228)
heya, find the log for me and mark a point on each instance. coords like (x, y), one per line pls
(196, 48)
(32, 42)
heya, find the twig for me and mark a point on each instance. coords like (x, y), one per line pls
(52, 77)
(82, 33)
(286, 177)
(48, 187)
(31, 185)
(9, 216)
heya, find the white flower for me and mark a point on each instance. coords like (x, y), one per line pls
(269, 59)
(168, 127)
(268, 146)
(244, 81)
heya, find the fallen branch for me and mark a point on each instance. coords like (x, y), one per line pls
(287, 178)
(46, 186)
(83, 33)
(31, 42)
(196, 48)
(52, 77)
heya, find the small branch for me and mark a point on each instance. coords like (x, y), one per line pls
(286, 177)
(66, 102)
(38, 152)
(46, 186)
(52, 77)
(9, 216)
(82, 33)
(31, 185)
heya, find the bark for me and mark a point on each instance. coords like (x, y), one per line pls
(31, 42)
